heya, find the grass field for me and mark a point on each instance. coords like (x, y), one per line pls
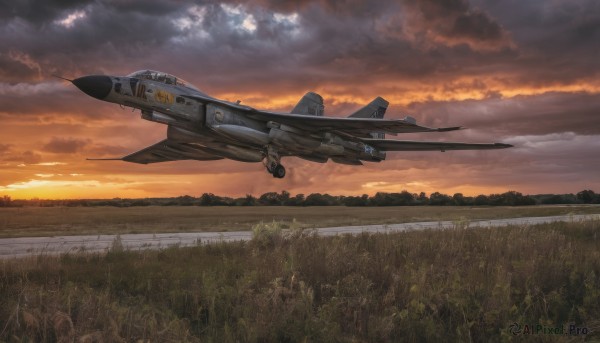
(54, 221)
(432, 285)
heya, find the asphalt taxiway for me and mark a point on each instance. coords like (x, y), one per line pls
(28, 246)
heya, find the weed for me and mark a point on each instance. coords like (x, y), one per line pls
(266, 235)
(422, 285)
(117, 244)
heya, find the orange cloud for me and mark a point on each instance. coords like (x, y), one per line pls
(527, 77)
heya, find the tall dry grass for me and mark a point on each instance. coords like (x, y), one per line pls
(449, 285)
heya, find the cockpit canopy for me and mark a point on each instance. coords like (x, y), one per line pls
(161, 77)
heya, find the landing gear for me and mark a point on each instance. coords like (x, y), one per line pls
(273, 164)
(279, 171)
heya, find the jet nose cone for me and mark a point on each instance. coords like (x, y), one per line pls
(97, 86)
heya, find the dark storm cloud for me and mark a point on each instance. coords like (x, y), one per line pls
(59, 145)
(120, 35)
(348, 47)
(43, 12)
(18, 97)
(328, 42)
(454, 22)
(548, 24)
(323, 47)
(151, 7)
(100, 35)
(522, 115)
(5, 147)
(557, 39)
(51, 101)
(27, 157)
(477, 26)
(38, 12)
(106, 149)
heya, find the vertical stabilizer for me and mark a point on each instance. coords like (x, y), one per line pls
(310, 104)
(375, 109)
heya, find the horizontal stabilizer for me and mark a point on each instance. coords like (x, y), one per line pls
(397, 145)
(350, 127)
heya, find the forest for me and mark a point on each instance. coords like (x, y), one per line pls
(284, 198)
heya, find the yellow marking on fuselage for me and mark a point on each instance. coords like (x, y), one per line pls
(164, 97)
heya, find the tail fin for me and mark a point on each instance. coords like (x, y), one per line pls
(310, 104)
(375, 109)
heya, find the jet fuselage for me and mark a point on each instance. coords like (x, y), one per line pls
(201, 127)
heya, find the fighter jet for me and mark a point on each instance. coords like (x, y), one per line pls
(201, 127)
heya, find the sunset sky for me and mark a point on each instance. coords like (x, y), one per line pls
(519, 72)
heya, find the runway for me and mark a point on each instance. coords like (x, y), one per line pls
(29, 246)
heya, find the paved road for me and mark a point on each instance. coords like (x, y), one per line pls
(27, 246)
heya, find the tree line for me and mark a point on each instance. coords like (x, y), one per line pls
(284, 198)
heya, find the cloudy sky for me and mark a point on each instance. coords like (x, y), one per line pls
(519, 72)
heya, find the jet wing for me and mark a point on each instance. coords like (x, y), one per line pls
(351, 126)
(164, 151)
(397, 145)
